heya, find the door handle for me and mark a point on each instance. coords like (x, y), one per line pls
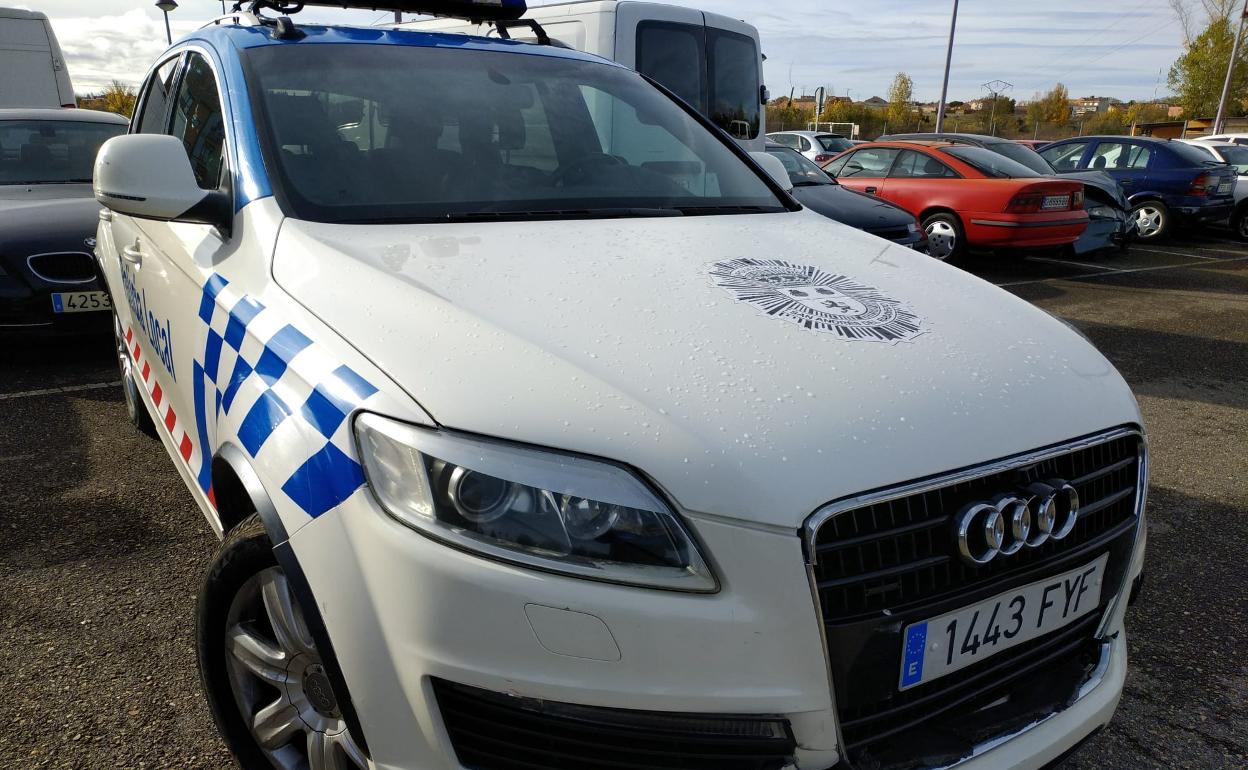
(132, 255)
(871, 190)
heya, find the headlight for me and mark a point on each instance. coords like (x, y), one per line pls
(534, 507)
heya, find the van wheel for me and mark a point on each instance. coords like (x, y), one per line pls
(1152, 220)
(136, 410)
(1239, 222)
(945, 240)
(263, 677)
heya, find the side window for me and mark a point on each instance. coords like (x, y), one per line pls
(1065, 157)
(154, 113)
(1138, 157)
(872, 162)
(673, 55)
(805, 143)
(199, 122)
(1108, 155)
(834, 167)
(916, 165)
(734, 86)
(788, 140)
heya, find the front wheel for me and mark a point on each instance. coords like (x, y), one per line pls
(1152, 220)
(1239, 221)
(262, 674)
(945, 240)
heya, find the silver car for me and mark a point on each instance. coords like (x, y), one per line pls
(819, 146)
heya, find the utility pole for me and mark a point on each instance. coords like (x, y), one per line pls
(1230, 70)
(944, 88)
(994, 88)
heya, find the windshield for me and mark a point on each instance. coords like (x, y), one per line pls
(802, 171)
(51, 151)
(990, 163)
(370, 133)
(1236, 156)
(1024, 155)
(834, 143)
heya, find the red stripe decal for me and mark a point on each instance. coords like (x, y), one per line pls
(170, 418)
(156, 394)
(212, 497)
(147, 370)
(185, 448)
(136, 352)
(129, 336)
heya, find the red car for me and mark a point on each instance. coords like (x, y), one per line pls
(966, 196)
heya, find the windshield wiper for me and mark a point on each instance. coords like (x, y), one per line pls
(615, 212)
(696, 211)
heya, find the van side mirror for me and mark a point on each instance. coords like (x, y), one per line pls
(774, 168)
(150, 176)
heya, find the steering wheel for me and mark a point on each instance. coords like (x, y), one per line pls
(578, 168)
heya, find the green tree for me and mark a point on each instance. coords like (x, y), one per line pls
(1197, 77)
(1055, 105)
(900, 98)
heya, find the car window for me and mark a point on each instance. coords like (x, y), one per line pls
(912, 165)
(1020, 154)
(732, 61)
(472, 134)
(154, 110)
(803, 172)
(1108, 155)
(990, 163)
(1137, 157)
(198, 121)
(51, 151)
(835, 167)
(1189, 154)
(1236, 156)
(834, 143)
(870, 162)
(788, 140)
(1064, 157)
(672, 54)
(804, 144)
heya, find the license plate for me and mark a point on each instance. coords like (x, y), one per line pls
(80, 301)
(939, 646)
(1055, 202)
(1224, 188)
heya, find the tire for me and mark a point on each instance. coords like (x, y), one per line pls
(1239, 221)
(946, 240)
(136, 410)
(1152, 220)
(263, 678)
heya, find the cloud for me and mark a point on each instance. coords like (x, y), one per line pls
(101, 49)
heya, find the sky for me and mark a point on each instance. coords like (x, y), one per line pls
(1120, 48)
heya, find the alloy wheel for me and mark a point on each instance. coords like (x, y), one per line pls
(1148, 221)
(942, 240)
(1241, 227)
(279, 681)
(128, 385)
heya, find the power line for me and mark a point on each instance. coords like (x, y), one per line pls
(1118, 48)
(1099, 33)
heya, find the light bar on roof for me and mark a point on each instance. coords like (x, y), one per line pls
(474, 10)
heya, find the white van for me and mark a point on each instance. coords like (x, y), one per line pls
(32, 67)
(711, 61)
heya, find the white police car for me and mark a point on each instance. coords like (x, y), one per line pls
(544, 429)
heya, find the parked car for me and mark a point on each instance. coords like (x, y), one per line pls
(818, 190)
(49, 282)
(1033, 144)
(1168, 183)
(1233, 138)
(817, 146)
(1111, 220)
(966, 197)
(32, 67)
(1235, 156)
(527, 451)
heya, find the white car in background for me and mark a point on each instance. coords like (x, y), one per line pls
(819, 146)
(543, 428)
(32, 68)
(1232, 138)
(1236, 155)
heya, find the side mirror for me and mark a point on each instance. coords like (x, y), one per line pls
(774, 168)
(150, 176)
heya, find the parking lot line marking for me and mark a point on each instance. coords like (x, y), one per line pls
(1116, 272)
(1177, 253)
(58, 391)
(1101, 268)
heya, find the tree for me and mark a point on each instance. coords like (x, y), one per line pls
(900, 96)
(120, 99)
(1197, 77)
(1055, 105)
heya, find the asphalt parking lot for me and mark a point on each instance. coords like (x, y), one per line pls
(101, 548)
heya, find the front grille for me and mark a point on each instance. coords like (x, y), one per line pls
(492, 731)
(64, 267)
(892, 562)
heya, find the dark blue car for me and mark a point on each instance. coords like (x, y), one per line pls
(1168, 183)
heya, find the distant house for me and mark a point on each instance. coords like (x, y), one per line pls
(1089, 105)
(875, 101)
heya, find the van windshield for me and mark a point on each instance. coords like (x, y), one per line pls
(370, 133)
(51, 151)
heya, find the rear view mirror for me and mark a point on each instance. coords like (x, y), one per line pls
(150, 176)
(774, 168)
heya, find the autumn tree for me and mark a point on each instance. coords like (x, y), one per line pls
(1197, 77)
(900, 97)
(1055, 105)
(119, 98)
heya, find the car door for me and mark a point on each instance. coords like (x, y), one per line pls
(121, 241)
(178, 261)
(865, 170)
(916, 179)
(1125, 161)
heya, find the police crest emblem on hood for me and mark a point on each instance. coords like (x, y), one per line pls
(817, 299)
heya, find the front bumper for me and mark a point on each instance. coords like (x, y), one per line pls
(405, 612)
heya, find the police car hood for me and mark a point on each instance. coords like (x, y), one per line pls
(754, 366)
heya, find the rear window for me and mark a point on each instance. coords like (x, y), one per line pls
(834, 143)
(1024, 155)
(1236, 156)
(51, 151)
(1190, 155)
(991, 163)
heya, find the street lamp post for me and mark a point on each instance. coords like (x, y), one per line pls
(166, 6)
(1230, 69)
(944, 88)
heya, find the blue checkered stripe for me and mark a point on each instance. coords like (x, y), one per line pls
(284, 398)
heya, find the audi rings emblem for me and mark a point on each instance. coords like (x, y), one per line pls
(1007, 524)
